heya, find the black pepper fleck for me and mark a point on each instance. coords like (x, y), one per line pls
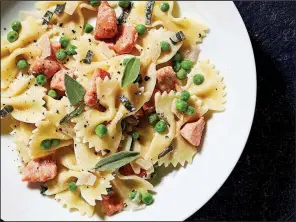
(146, 78)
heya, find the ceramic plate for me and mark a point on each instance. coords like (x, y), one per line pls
(181, 192)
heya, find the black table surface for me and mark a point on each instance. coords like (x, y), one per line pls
(262, 185)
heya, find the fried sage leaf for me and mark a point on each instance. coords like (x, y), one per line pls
(148, 12)
(116, 160)
(131, 71)
(75, 91)
(73, 114)
(166, 151)
(127, 104)
(178, 37)
(6, 111)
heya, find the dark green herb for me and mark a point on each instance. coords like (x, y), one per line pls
(127, 104)
(116, 160)
(59, 9)
(179, 37)
(46, 18)
(166, 151)
(148, 11)
(73, 114)
(43, 189)
(138, 79)
(131, 71)
(6, 111)
(125, 12)
(88, 58)
(74, 90)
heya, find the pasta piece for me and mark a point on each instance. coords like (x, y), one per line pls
(124, 184)
(151, 46)
(66, 157)
(92, 193)
(8, 64)
(64, 177)
(193, 31)
(31, 30)
(18, 86)
(56, 110)
(45, 130)
(100, 49)
(212, 90)
(22, 133)
(163, 104)
(85, 157)
(72, 200)
(28, 106)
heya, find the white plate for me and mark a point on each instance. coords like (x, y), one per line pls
(182, 192)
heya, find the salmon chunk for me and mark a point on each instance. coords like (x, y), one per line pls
(193, 132)
(111, 204)
(166, 79)
(44, 66)
(91, 92)
(55, 46)
(40, 170)
(127, 170)
(57, 81)
(127, 39)
(106, 24)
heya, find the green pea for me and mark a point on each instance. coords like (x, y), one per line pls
(164, 7)
(64, 40)
(52, 93)
(61, 54)
(41, 79)
(55, 142)
(185, 95)
(181, 105)
(165, 46)
(72, 186)
(147, 198)
(181, 74)
(190, 110)
(177, 57)
(160, 126)
(101, 130)
(22, 64)
(141, 29)
(132, 194)
(46, 144)
(198, 79)
(177, 66)
(12, 36)
(186, 64)
(135, 135)
(16, 25)
(95, 3)
(88, 28)
(71, 50)
(124, 4)
(152, 118)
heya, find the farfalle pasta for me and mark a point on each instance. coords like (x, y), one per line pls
(100, 107)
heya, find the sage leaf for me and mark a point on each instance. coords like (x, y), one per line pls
(148, 12)
(74, 90)
(116, 160)
(6, 111)
(166, 151)
(74, 113)
(131, 71)
(46, 18)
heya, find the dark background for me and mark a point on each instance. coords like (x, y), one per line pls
(262, 185)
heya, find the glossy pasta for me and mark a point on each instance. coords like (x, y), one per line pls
(100, 107)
